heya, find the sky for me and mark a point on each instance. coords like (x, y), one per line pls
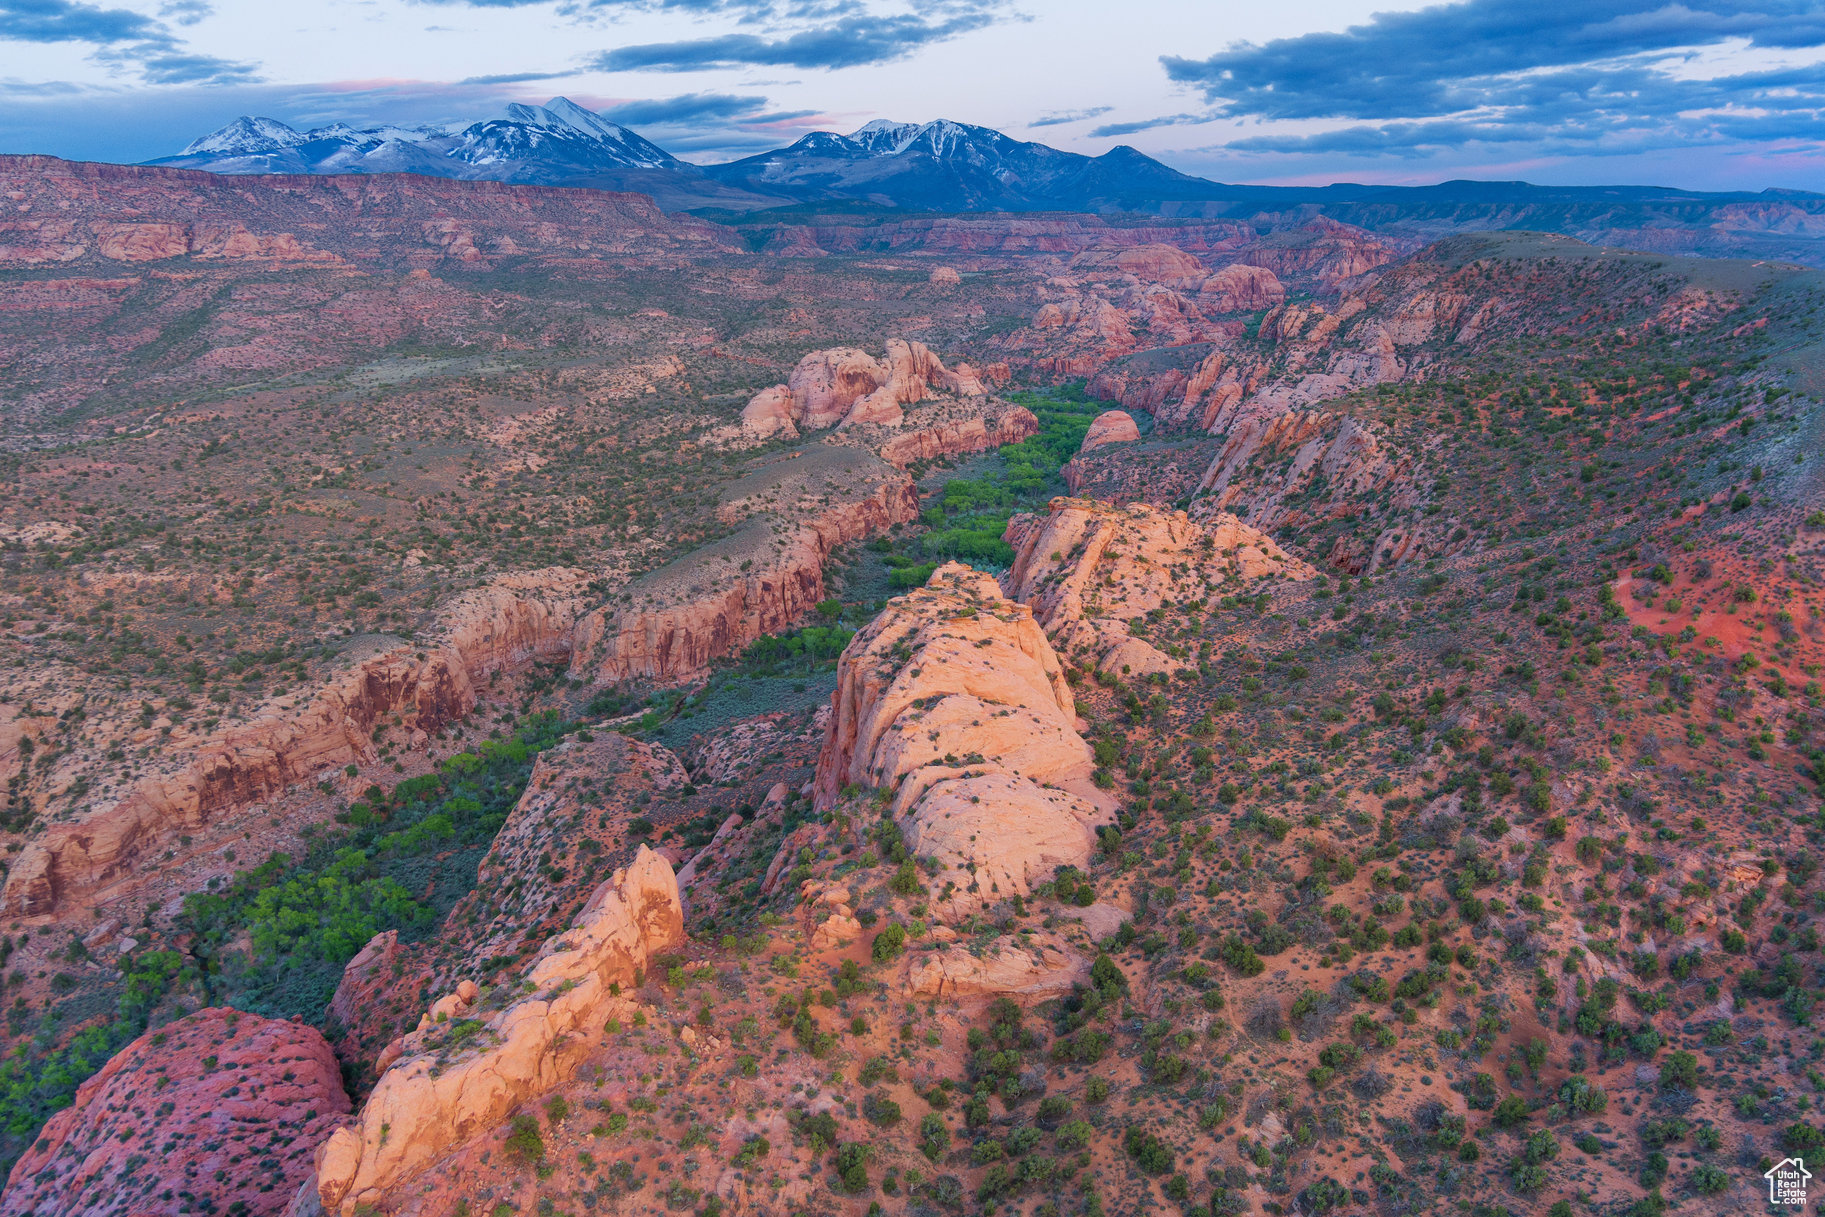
(1704, 94)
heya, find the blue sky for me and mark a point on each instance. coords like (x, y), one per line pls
(1711, 94)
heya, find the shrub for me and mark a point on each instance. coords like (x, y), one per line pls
(524, 1141)
(934, 1136)
(852, 1166)
(889, 944)
(1149, 1152)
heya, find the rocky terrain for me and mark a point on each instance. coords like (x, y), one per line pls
(1041, 714)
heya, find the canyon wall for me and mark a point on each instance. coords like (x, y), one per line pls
(758, 580)
(502, 627)
(252, 1097)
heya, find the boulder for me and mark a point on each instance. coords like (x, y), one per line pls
(772, 411)
(1030, 969)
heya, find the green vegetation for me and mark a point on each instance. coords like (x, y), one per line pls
(306, 917)
(969, 515)
(40, 1078)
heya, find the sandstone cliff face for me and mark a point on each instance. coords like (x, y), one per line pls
(954, 699)
(1091, 573)
(842, 385)
(759, 580)
(449, 1085)
(503, 627)
(252, 1097)
(954, 429)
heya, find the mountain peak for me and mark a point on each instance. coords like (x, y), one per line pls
(244, 136)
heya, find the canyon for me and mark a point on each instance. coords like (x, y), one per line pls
(523, 701)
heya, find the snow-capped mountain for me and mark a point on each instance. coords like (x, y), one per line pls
(952, 166)
(557, 142)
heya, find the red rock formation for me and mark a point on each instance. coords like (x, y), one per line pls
(441, 1091)
(716, 600)
(219, 1107)
(1158, 263)
(1109, 427)
(953, 699)
(974, 426)
(505, 626)
(1241, 288)
(1087, 570)
(841, 386)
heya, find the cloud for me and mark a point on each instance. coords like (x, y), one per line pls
(64, 21)
(1148, 124)
(186, 12)
(1627, 74)
(850, 42)
(178, 68)
(689, 107)
(1059, 117)
(515, 78)
(123, 37)
(755, 9)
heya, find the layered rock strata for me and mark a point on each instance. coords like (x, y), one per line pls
(504, 627)
(469, 1066)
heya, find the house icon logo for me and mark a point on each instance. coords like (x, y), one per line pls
(1787, 1182)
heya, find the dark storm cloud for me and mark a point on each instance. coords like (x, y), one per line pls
(1508, 71)
(849, 42)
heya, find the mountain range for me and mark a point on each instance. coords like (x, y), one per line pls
(950, 166)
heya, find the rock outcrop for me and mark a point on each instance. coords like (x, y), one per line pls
(956, 429)
(219, 1105)
(1241, 288)
(758, 580)
(460, 1075)
(843, 385)
(1109, 427)
(506, 626)
(954, 699)
(1033, 968)
(1092, 573)
(563, 836)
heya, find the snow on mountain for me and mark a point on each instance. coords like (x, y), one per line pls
(941, 165)
(558, 141)
(246, 136)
